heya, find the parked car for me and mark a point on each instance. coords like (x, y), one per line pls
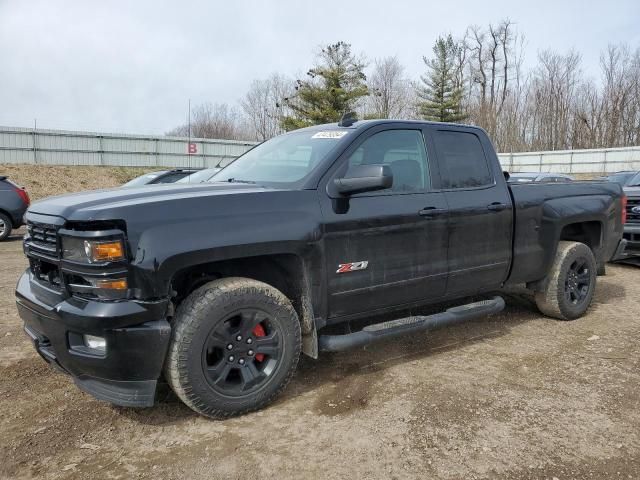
(632, 224)
(623, 178)
(525, 177)
(162, 176)
(200, 176)
(218, 288)
(14, 201)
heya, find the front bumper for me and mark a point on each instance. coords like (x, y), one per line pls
(137, 335)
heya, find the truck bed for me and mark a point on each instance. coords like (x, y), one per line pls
(544, 213)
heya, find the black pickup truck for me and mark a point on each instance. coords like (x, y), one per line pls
(216, 288)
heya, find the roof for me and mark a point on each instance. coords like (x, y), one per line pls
(380, 121)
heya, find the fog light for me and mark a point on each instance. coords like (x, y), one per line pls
(95, 343)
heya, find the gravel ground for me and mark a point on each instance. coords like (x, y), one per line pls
(514, 396)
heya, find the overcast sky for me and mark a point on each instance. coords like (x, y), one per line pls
(130, 66)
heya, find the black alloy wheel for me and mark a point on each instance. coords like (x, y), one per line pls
(578, 281)
(241, 352)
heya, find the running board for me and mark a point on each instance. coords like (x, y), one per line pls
(402, 326)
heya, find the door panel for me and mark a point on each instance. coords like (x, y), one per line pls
(405, 251)
(479, 240)
(480, 213)
(393, 242)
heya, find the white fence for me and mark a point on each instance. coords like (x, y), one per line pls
(601, 160)
(59, 147)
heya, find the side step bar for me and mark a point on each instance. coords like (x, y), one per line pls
(402, 326)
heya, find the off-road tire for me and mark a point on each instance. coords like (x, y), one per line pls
(197, 316)
(553, 301)
(8, 226)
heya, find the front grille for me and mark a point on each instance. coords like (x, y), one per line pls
(42, 237)
(633, 204)
(41, 247)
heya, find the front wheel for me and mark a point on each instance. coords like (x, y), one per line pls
(570, 283)
(235, 345)
(5, 226)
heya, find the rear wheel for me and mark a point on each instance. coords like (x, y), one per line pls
(235, 346)
(5, 226)
(570, 284)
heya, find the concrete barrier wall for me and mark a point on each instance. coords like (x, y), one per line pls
(59, 147)
(602, 160)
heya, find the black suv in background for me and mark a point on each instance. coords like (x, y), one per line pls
(14, 201)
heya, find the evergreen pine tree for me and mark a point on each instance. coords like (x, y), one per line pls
(333, 88)
(441, 91)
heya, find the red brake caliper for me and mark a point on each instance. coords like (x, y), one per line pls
(259, 332)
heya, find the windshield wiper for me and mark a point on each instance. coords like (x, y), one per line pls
(237, 180)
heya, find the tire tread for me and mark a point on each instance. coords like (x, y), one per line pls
(186, 322)
(550, 300)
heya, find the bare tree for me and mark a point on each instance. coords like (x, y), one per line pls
(211, 120)
(389, 90)
(492, 57)
(620, 101)
(554, 94)
(263, 106)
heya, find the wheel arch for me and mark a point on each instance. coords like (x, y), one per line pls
(588, 232)
(284, 271)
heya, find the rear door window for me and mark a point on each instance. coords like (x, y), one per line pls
(462, 160)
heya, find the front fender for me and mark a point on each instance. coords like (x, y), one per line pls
(166, 249)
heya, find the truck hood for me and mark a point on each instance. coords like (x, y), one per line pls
(632, 191)
(108, 203)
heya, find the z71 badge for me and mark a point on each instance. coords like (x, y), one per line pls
(352, 267)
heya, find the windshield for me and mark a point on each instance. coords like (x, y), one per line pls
(635, 181)
(286, 159)
(143, 179)
(200, 176)
(621, 178)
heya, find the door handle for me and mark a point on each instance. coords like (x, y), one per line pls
(431, 211)
(496, 207)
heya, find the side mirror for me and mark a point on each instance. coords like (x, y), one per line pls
(507, 175)
(364, 178)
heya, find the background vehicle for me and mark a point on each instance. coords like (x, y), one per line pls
(623, 178)
(200, 176)
(632, 225)
(525, 177)
(162, 176)
(219, 287)
(14, 201)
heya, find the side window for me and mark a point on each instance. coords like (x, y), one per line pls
(403, 151)
(462, 160)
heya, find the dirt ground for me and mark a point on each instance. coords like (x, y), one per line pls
(514, 396)
(46, 180)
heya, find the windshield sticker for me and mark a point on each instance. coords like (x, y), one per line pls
(335, 134)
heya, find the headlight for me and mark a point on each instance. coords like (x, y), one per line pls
(92, 251)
